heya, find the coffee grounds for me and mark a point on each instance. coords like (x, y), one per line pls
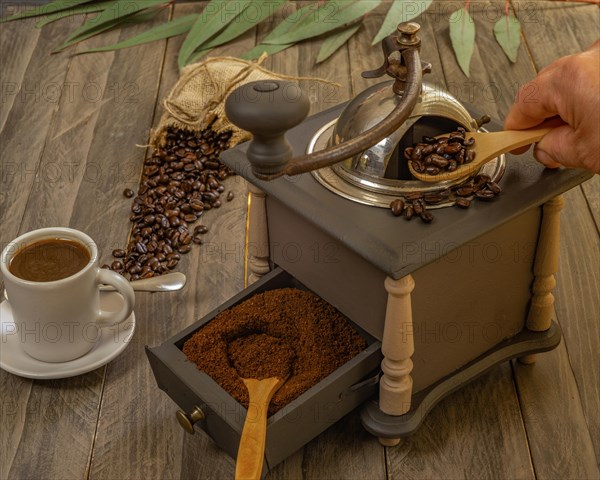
(321, 338)
(261, 356)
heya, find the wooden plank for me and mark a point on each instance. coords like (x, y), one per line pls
(578, 304)
(133, 410)
(476, 432)
(17, 42)
(31, 114)
(546, 391)
(556, 29)
(591, 190)
(17, 45)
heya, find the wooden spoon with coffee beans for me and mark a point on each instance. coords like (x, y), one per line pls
(264, 363)
(487, 146)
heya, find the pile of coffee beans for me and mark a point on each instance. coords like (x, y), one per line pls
(444, 154)
(180, 181)
(481, 187)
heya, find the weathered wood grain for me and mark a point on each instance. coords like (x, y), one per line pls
(476, 432)
(578, 304)
(26, 126)
(546, 390)
(591, 190)
(17, 42)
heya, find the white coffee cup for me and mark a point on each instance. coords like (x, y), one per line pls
(58, 321)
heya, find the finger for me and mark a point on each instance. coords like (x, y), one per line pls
(558, 148)
(552, 123)
(521, 151)
(535, 102)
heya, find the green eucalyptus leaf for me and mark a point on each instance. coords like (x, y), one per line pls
(87, 8)
(289, 22)
(329, 16)
(264, 48)
(211, 21)
(198, 54)
(335, 41)
(508, 34)
(244, 21)
(160, 32)
(462, 35)
(241, 24)
(47, 9)
(107, 25)
(400, 11)
(110, 17)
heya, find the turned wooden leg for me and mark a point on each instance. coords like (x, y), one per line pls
(544, 268)
(395, 386)
(257, 238)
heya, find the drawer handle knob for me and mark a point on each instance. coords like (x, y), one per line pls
(187, 421)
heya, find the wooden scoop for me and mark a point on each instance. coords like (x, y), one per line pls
(254, 434)
(270, 359)
(487, 147)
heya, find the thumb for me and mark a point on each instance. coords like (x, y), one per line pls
(557, 148)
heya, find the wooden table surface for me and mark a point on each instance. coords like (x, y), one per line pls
(69, 130)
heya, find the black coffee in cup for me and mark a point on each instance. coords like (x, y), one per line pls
(49, 260)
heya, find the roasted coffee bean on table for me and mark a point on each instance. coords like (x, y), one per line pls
(414, 204)
(180, 181)
(436, 155)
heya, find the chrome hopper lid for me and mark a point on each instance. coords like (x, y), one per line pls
(380, 174)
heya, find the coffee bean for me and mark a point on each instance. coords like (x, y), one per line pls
(434, 198)
(190, 218)
(494, 187)
(184, 248)
(197, 239)
(200, 229)
(397, 207)
(128, 192)
(463, 203)
(119, 253)
(426, 217)
(464, 191)
(485, 195)
(230, 196)
(414, 196)
(117, 266)
(419, 206)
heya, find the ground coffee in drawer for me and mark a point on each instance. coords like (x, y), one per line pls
(321, 337)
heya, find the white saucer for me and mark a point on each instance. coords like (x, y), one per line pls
(113, 341)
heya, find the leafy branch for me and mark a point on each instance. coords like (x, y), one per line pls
(221, 21)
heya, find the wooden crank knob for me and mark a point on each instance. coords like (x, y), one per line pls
(268, 109)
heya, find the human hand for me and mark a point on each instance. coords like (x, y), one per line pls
(569, 88)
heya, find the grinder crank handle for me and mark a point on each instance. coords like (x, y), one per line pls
(268, 108)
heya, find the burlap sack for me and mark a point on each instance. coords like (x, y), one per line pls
(198, 98)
